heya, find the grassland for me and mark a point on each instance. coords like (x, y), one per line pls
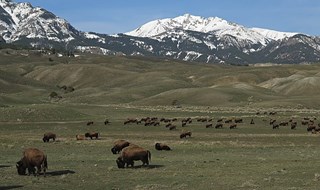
(250, 157)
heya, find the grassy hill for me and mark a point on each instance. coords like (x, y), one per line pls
(28, 77)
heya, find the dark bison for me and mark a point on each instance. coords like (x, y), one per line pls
(252, 122)
(233, 126)
(185, 134)
(272, 121)
(238, 120)
(172, 127)
(275, 126)
(91, 135)
(119, 145)
(160, 146)
(131, 153)
(209, 125)
(48, 136)
(294, 125)
(219, 125)
(32, 158)
(284, 123)
(80, 137)
(106, 122)
(90, 123)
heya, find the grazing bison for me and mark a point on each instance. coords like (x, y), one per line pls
(106, 122)
(90, 123)
(131, 153)
(272, 121)
(284, 123)
(209, 125)
(238, 120)
(91, 135)
(172, 127)
(185, 134)
(233, 126)
(219, 125)
(293, 125)
(80, 137)
(311, 128)
(228, 121)
(275, 126)
(160, 146)
(32, 158)
(48, 136)
(119, 145)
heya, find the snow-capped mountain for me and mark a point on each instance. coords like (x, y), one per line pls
(187, 37)
(22, 20)
(213, 25)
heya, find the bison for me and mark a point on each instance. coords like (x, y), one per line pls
(219, 125)
(160, 146)
(185, 134)
(80, 137)
(293, 125)
(209, 125)
(252, 122)
(172, 127)
(238, 120)
(48, 136)
(32, 158)
(91, 135)
(131, 153)
(275, 126)
(90, 123)
(233, 126)
(119, 145)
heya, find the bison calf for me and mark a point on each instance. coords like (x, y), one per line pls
(80, 137)
(130, 154)
(48, 136)
(32, 158)
(160, 146)
(119, 145)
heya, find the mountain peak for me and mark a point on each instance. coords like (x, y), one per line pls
(213, 25)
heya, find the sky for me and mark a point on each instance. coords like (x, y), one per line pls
(120, 16)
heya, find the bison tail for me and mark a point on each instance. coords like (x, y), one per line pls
(149, 155)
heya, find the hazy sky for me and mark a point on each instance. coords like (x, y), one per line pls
(119, 16)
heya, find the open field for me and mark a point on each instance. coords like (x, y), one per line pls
(250, 157)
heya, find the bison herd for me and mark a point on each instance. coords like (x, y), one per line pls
(34, 160)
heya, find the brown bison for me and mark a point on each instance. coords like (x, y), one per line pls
(80, 137)
(185, 134)
(119, 145)
(160, 146)
(91, 135)
(32, 158)
(48, 136)
(131, 153)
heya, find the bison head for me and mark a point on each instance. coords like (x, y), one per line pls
(21, 168)
(120, 163)
(114, 150)
(157, 146)
(44, 139)
(87, 135)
